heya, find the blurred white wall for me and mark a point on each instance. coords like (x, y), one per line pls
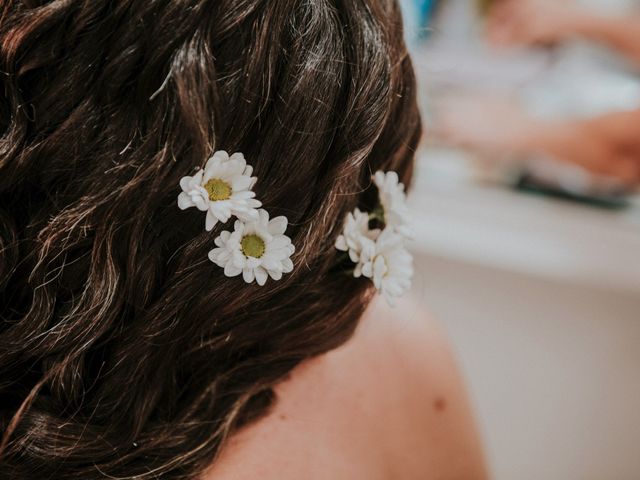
(553, 369)
(541, 298)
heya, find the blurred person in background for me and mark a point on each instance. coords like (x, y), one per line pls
(607, 145)
(548, 22)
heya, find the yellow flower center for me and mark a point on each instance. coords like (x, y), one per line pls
(252, 246)
(218, 189)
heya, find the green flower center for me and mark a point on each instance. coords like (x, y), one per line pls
(378, 214)
(252, 246)
(218, 189)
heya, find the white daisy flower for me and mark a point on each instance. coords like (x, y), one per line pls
(255, 249)
(222, 189)
(389, 264)
(394, 202)
(356, 235)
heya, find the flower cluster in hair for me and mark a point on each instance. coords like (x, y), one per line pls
(380, 254)
(257, 247)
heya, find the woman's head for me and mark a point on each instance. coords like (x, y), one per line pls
(124, 352)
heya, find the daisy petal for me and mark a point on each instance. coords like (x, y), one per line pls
(238, 259)
(261, 276)
(248, 275)
(231, 271)
(287, 265)
(275, 274)
(185, 183)
(278, 225)
(240, 183)
(341, 243)
(271, 263)
(184, 201)
(210, 221)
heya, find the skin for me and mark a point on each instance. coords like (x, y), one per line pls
(608, 145)
(547, 22)
(388, 404)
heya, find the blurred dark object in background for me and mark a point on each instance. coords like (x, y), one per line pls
(614, 198)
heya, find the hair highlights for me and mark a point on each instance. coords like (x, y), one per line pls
(124, 352)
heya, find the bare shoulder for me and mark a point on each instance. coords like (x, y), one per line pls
(428, 421)
(387, 404)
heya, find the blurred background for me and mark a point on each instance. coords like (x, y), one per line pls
(528, 246)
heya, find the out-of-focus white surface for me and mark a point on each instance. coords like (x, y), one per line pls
(497, 227)
(611, 6)
(541, 297)
(553, 369)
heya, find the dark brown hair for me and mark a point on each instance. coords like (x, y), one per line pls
(124, 352)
